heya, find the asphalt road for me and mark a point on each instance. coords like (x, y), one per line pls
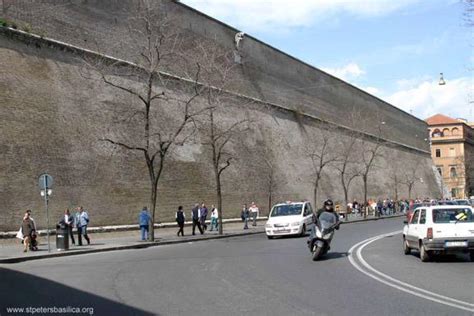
(246, 275)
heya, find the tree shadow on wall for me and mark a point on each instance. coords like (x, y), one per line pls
(21, 290)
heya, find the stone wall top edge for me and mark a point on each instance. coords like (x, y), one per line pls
(344, 83)
(25, 37)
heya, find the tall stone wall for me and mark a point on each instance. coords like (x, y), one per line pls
(52, 118)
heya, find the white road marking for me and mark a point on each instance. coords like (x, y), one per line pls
(400, 285)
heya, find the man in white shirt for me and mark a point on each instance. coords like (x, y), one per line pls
(253, 209)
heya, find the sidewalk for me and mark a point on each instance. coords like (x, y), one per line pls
(11, 250)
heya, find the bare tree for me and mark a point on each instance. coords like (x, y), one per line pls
(396, 178)
(346, 164)
(322, 154)
(147, 128)
(264, 159)
(371, 152)
(219, 130)
(410, 176)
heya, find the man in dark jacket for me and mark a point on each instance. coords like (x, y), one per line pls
(327, 207)
(204, 212)
(180, 219)
(196, 215)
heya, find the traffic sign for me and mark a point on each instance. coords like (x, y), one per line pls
(45, 181)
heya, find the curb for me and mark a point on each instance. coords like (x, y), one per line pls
(127, 247)
(122, 228)
(160, 243)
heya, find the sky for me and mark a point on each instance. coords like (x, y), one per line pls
(394, 50)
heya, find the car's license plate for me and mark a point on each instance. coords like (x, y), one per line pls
(282, 230)
(456, 244)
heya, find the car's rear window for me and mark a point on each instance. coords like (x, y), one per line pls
(287, 210)
(452, 215)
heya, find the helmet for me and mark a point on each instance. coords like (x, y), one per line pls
(328, 202)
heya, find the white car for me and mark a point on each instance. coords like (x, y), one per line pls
(440, 229)
(290, 218)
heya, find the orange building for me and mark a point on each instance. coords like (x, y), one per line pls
(452, 150)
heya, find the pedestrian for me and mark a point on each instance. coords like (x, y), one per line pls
(204, 211)
(68, 221)
(33, 235)
(82, 220)
(214, 217)
(196, 216)
(144, 220)
(27, 228)
(254, 212)
(245, 216)
(180, 219)
(379, 207)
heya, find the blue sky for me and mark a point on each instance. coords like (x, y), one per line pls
(395, 50)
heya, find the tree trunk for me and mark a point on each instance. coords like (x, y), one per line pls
(346, 197)
(219, 204)
(270, 193)
(364, 202)
(154, 188)
(315, 191)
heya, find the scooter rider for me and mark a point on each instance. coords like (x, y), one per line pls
(327, 207)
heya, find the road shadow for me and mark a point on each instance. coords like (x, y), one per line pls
(333, 255)
(445, 258)
(22, 290)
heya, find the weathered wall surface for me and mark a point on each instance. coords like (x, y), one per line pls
(51, 120)
(267, 73)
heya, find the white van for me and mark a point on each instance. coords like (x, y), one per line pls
(290, 218)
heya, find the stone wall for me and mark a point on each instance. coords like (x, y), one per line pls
(52, 118)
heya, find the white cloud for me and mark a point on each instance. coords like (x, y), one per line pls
(428, 98)
(265, 15)
(347, 72)
(372, 90)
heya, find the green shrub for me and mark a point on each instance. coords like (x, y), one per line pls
(3, 22)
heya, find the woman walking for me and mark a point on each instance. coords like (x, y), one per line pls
(214, 217)
(27, 227)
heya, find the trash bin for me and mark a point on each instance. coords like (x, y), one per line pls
(62, 237)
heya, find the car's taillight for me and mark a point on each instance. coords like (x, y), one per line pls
(429, 233)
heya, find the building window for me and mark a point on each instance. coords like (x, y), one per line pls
(454, 192)
(452, 172)
(438, 153)
(440, 170)
(452, 152)
(455, 131)
(437, 133)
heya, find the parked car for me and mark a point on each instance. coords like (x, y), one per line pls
(440, 229)
(411, 209)
(463, 202)
(290, 218)
(447, 202)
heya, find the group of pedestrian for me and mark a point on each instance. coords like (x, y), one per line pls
(199, 215)
(80, 220)
(249, 212)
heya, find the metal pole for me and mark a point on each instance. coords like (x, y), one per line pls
(47, 211)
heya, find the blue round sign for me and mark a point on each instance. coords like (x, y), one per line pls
(45, 181)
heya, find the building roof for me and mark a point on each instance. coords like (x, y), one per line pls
(440, 119)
